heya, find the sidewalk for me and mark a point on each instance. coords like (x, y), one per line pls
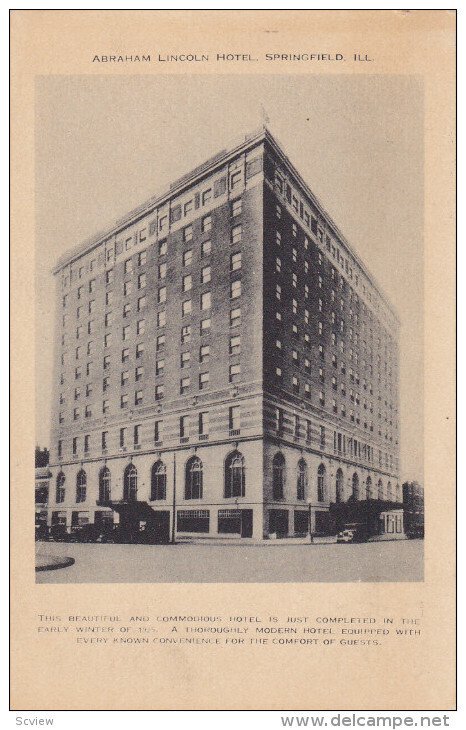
(254, 541)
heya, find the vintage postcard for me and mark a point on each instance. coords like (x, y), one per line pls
(233, 294)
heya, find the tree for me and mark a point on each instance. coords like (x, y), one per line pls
(42, 457)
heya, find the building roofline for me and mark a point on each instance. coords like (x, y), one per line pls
(278, 149)
(175, 188)
(218, 160)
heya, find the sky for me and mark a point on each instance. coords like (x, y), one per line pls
(105, 144)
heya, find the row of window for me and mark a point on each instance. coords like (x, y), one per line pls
(324, 237)
(185, 428)
(234, 482)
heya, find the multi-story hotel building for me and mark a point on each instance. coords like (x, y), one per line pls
(225, 364)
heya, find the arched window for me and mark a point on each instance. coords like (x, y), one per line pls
(81, 485)
(278, 476)
(301, 486)
(104, 484)
(235, 477)
(380, 493)
(130, 487)
(339, 496)
(60, 488)
(368, 488)
(193, 479)
(355, 486)
(398, 494)
(158, 481)
(389, 492)
(321, 483)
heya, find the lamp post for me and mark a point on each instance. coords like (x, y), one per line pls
(174, 499)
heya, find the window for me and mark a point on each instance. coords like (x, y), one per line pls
(122, 437)
(301, 482)
(188, 233)
(236, 233)
(235, 289)
(161, 318)
(206, 248)
(235, 345)
(193, 478)
(279, 420)
(185, 359)
(235, 475)
(309, 431)
(369, 494)
(124, 356)
(159, 367)
(184, 385)
(87, 411)
(104, 484)
(138, 398)
(188, 257)
(206, 196)
(295, 384)
(158, 428)
(235, 373)
(322, 437)
(60, 488)
(204, 353)
(127, 288)
(158, 481)
(206, 274)
(321, 487)
(139, 373)
(186, 307)
(235, 317)
(187, 284)
(128, 266)
(91, 286)
(278, 211)
(236, 207)
(203, 423)
(205, 326)
(141, 327)
(124, 401)
(81, 486)
(278, 264)
(206, 300)
(141, 303)
(234, 420)
(142, 258)
(204, 379)
(186, 333)
(278, 476)
(162, 248)
(162, 295)
(206, 224)
(162, 271)
(159, 392)
(75, 445)
(130, 488)
(76, 414)
(104, 440)
(105, 384)
(142, 281)
(108, 319)
(127, 309)
(278, 291)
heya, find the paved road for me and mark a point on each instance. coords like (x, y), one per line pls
(185, 563)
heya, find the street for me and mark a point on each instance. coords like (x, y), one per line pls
(250, 563)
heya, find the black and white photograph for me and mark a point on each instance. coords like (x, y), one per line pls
(229, 330)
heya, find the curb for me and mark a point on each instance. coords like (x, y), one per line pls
(58, 563)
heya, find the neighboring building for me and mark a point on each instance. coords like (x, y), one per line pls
(413, 506)
(222, 354)
(42, 485)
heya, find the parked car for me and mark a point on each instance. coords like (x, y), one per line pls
(346, 536)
